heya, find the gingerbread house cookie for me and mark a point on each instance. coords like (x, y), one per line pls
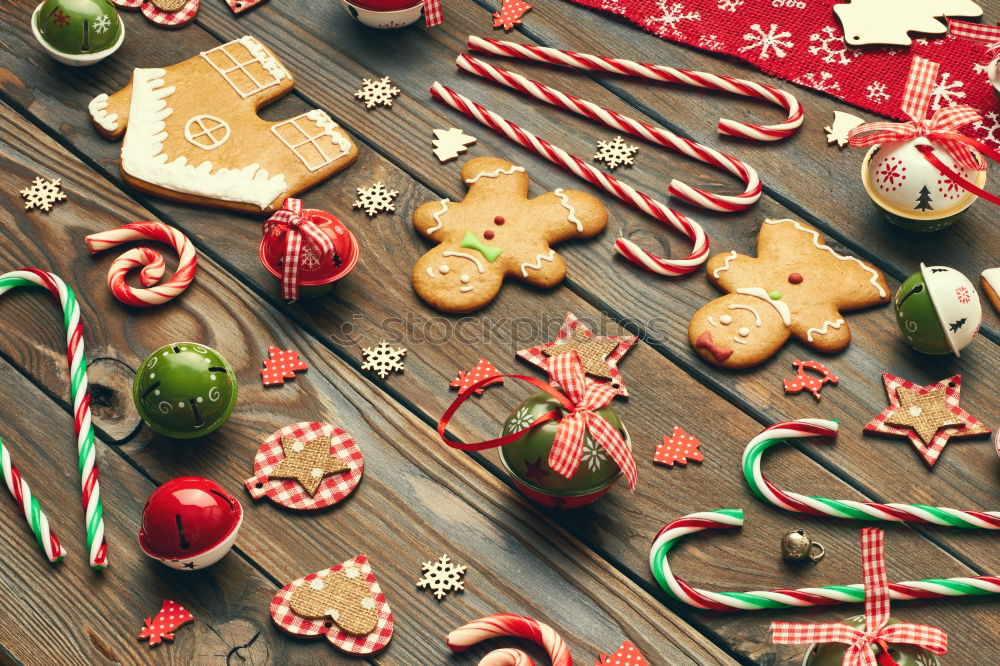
(497, 232)
(796, 286)
(192, 133)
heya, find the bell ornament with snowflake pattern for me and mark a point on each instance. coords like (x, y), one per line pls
(526, 459)
(315, 277)
(185, 390)
(938, 310)
(78, 32)
(832, 654)
(385, 14)
(911, 192)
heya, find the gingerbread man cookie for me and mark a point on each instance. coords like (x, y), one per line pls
(497, 232)
(796, 286)
(192, 133)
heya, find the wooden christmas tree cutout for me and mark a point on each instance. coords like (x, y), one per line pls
(889, 21)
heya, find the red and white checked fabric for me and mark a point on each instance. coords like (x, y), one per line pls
(802, 41)
(988, 34)
(291, 623)
(571, 325)
(433, 14)
(860, 643)
(623, 123)
(610, 184)
(939, 127)
(297, 230)
(587, 396)
(930, 452)
(291, 494)
(177, 19)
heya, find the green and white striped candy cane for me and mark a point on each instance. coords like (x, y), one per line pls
(82, 426)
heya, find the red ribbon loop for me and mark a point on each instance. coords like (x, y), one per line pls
(581, 398)
(860, 650)
(297, 230)
(939, 127)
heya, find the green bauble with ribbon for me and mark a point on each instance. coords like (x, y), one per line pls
(832, 654)
(526, 459)
(938, 310)
(78, 32)
(185, 390)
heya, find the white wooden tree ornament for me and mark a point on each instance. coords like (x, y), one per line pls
(889, 21)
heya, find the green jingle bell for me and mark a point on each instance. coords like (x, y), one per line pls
(832, 654)
(526, 458)
(185, 390)
(938, 310)
(78, 32)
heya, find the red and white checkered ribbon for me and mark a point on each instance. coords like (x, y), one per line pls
(587, 396)
(582, 397)
(860, 650)
(941, 127)
(433, 14)
(980, 33)
(297, 230)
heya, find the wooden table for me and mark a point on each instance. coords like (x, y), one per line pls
(584, 572)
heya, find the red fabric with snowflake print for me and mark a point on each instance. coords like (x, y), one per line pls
(802, 41)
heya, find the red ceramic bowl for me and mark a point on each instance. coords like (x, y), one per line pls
(385, 14)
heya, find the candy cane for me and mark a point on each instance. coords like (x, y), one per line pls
(150, 260)
(852, 510)
(494, 626)
(933, 588)
(558, 156)
(82, 426)
(615, 120)
(664, 74)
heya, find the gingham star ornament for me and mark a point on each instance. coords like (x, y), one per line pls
(927, 415)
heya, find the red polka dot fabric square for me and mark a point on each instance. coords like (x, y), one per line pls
(281, 365)
(678, 448)
(627, 655)
(290, 493)
(483, 370)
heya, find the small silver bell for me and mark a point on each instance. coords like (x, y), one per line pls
(797, 546)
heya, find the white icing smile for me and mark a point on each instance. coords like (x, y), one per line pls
(780, 306)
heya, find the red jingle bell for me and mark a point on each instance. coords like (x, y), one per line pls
(189, 523)
(315, 274)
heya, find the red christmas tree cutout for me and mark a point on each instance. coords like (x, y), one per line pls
(510, 14)
(678, 447)
(281, 365)
(483, 370)
(627, 655)
(168, 620)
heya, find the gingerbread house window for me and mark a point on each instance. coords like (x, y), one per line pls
(206, 131)
(306, 139)
(243, 70)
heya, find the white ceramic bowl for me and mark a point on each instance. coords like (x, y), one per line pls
(384, 20)
(81, 60)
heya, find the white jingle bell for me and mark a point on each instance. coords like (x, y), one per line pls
(911, 191)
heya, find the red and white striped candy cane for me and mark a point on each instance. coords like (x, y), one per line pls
(628, 194)
(613, 119)
(664, 74)
(151, 262)
(494, 626)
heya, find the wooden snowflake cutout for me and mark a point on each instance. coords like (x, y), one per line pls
(510, 14)
(377, 91)
(483, 370)
(168, 620)
(678, 447)
(383, 359)
(376, 198)
(450, 142)
(841, 125)
(442, 577)
(281, 365)
(615, 152)
(43, 193)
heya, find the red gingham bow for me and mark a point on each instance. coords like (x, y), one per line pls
(586, 396)
(289, 222)
(860, 643)
(433, 14)
(582, 396)
(940, 127)
(981, 33)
